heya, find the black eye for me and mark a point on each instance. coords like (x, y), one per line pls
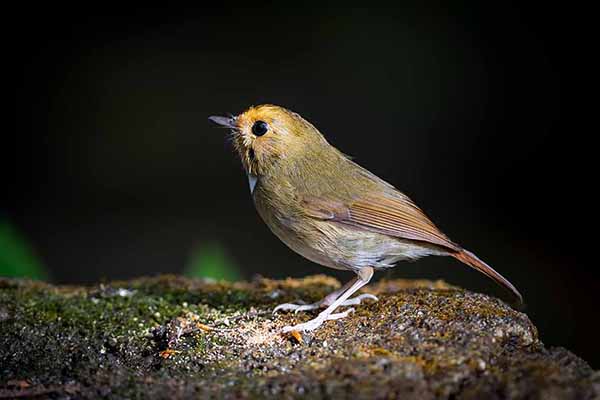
(260, 128)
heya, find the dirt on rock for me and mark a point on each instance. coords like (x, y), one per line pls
(173, 337)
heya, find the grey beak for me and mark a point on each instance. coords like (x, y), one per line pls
(227, 122)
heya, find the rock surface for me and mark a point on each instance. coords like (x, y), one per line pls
(170, 337)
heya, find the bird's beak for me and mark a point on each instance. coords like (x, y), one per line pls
(227, 122)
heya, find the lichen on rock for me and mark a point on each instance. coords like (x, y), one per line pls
(171, 337)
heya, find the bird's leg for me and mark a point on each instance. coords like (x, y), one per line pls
(327, 300)
(364, 276)
(324, 302)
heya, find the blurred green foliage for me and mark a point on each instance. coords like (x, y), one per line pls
(17, 258)
(210, 260)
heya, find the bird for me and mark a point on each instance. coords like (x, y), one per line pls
(330, 210)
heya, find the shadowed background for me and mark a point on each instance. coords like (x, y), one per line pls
(118, 173)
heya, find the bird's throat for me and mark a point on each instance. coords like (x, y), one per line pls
(252, 180)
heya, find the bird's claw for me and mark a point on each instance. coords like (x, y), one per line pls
(358, 299)
(314, 306)
(316, 322)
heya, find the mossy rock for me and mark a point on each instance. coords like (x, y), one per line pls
(171, 337)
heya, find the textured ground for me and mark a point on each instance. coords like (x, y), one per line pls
(170, 337)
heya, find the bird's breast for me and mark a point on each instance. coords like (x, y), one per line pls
(280, 210)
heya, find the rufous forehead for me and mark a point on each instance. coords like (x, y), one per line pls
(265, 113)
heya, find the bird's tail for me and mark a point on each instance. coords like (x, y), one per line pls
(472, 261)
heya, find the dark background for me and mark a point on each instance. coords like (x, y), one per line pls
(116, 172)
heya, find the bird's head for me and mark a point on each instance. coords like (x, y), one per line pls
(265, 135)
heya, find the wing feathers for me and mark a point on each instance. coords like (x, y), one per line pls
(397, 217)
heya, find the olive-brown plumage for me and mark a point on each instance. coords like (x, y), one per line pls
(329, 209)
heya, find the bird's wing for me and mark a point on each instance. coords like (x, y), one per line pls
(399, 217)
(395, 216)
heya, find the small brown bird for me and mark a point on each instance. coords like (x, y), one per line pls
(331, 210)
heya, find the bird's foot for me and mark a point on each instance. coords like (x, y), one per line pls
(323, 303)
(316, 322)
(358, 299)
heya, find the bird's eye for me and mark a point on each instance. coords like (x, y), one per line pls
(260, 128)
